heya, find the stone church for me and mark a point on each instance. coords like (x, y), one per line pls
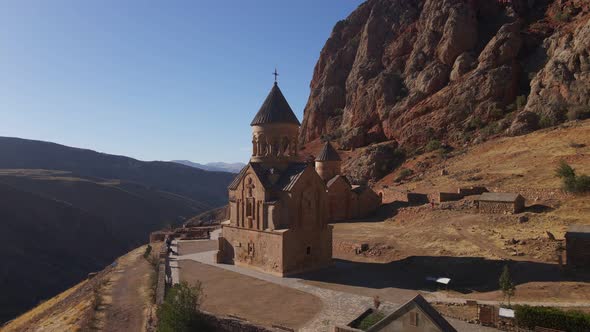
(279, 205)
(345, 200)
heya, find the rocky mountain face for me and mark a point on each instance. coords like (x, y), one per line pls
(453, 71)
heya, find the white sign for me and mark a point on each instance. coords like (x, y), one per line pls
(509, 313)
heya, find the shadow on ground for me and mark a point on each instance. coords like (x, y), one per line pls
(467, 274)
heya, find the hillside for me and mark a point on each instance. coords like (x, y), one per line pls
(66, 212)
(453, 71)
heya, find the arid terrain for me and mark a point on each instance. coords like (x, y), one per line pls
(408, 243)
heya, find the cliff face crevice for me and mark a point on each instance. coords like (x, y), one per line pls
(413, 71)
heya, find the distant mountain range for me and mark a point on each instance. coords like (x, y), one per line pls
(215, 167)
(65, 212)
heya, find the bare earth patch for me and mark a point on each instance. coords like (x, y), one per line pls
(261, 302)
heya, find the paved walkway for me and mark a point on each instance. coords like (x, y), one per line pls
(339, 307)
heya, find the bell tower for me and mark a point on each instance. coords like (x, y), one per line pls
(275, 129)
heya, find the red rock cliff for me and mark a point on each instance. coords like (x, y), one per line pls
(413, 71)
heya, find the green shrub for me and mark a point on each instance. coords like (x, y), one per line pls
(404, 173)
(571, 321)
(571, 182)
(506, 284)
(562, 16)
(564, 170)
(179, 312)
(491, 129)
(474, 123)
(370, 320)
(433, 145)
(520, 102)
(545, 122)
(148, 251)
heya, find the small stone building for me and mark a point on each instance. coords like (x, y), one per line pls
(416, 315)
(577, 243)
(346, 201)
(278, 205)
(500, 203)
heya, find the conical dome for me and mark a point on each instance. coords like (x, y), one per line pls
(328, 153)
(275, 109)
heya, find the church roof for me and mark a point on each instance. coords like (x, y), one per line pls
(275, 109)
(285, 182)
(418, 301)
(236, 181)
(328, 153)
(335, 178)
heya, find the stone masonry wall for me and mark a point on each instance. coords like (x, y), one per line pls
(255, 248)
(496, 207)
(578, 251)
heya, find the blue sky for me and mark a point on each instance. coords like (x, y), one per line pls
(155, 80)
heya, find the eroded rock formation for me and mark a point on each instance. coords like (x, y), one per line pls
(414, 71)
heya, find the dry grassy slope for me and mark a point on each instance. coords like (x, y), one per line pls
(526, 161)
(75, 309)
(523, 164)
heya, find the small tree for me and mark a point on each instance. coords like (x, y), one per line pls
(572, 182)
(506, 284)
(564, 170)
(179, 312)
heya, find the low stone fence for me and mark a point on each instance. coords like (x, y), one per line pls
(230, 324)
(161, 282)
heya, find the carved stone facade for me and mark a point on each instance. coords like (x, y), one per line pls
(278, 205)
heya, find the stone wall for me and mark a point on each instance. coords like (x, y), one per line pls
(417, 198)
(305, 251)
(163, 263)
(577, 251)
(228, 324)
(496, 207)
(259, 249)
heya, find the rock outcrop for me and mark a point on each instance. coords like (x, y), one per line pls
(414, 71)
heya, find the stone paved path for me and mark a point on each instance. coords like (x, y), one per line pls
(339, 307)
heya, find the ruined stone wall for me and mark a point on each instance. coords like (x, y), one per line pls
(577, 251)
(472, 191)
(259, 249)
(449, 197)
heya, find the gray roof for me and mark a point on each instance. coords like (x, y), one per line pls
(421, 303)
(236, 181)
(578, 231)
(275, 109)
(285, 182)
(499, 197)
(332, 180)
(328, 153)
